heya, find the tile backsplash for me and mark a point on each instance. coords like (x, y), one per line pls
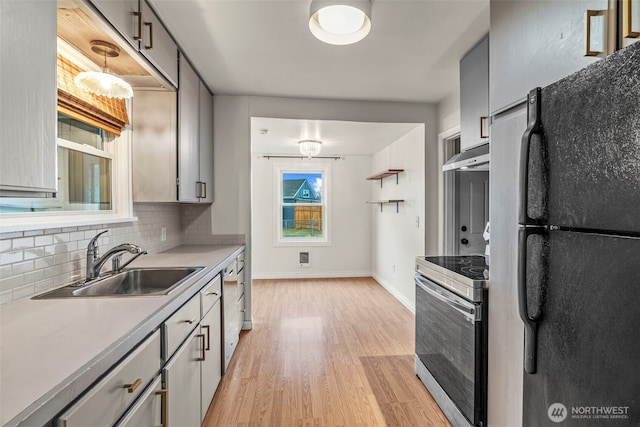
(34, 261)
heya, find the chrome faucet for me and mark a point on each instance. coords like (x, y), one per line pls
(95, 262)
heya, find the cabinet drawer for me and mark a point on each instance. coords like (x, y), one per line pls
(210, 294)
(177, 327)
(107, 401)
(147, 411)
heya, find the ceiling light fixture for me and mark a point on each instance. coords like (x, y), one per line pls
(310, 147)
(340, 22)
(104, 83)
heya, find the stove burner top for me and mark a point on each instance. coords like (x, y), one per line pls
(473, 267)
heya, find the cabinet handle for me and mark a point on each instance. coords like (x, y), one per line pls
(139, 35)
(590, 15)
(150, 45)
(627, 20)
(190, 321)
(132, 387)
(164, 403)
(201, 359)
(208, 328)
(212, 293)
(484, 130)
(204, 190)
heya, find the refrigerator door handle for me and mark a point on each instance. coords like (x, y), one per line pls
(533, 126)
(530, 323)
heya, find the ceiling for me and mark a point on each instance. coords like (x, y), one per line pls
(264, 47)
(339, 138)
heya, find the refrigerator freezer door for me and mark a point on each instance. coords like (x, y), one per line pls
(588, 339)
(589, 149)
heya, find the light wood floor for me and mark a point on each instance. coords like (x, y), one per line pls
(330, 352)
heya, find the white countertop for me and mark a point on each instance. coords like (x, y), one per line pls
(53, 349)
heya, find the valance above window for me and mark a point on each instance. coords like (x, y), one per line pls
(105, 113)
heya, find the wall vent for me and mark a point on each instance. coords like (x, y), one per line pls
(303, 259)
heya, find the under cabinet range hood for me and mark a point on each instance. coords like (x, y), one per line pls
(472, 159)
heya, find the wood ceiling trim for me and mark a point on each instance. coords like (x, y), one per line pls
(77, 29)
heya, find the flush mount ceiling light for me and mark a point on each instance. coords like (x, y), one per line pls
(104, 82)
(310, 147)
(340, 22)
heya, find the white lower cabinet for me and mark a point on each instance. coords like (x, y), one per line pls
(211, 373)
(182, 381)
(105, 402)
(139, 391)
(148, 410)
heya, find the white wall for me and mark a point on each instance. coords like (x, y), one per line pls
(349, 249)
(448, 111)
(398, 237)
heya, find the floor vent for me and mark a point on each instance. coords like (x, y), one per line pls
(303, 259)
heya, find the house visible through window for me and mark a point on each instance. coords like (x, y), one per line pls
(303, 206)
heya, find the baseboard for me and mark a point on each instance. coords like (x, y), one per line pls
(411, 306)
(311, 275)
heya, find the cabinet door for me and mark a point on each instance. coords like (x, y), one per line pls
(28, 99)
(147, 411)
(182, 380)
(188, 129)
(535, 43)
(124, 16)
(211, 326)
(157, 45)
(154, 146)
(206, 144)
(630, 22)
(474, 96)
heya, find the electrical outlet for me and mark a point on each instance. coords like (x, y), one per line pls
(163, 234)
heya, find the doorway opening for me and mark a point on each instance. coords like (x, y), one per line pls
(466, 205)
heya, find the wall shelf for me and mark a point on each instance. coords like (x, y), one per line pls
(384, 202)
(389, 172)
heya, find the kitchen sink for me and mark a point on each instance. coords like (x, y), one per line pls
(133, 282)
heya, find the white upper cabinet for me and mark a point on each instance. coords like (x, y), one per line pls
(155, 146)
(188, 106)
(474, 96)
(535, 43)
(206, 144)
(157, 45)
(28, 96)
(630, 22)
(139, 25)
(124, 16)
(195, 138)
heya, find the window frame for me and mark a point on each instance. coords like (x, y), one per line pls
(302, 168)
(118, 150)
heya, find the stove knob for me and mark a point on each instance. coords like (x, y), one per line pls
(464, 241)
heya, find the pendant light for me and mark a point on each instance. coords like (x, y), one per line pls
(310, 147)
(340, 22)
(104, 83)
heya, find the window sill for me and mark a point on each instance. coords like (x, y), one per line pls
(71, 219)
(301, 243)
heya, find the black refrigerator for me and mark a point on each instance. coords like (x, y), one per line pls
(579, 247)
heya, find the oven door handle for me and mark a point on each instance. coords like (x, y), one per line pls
(469, 311)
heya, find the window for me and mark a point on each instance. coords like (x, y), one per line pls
(84, 173)
(302, 205)
(93, 186)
